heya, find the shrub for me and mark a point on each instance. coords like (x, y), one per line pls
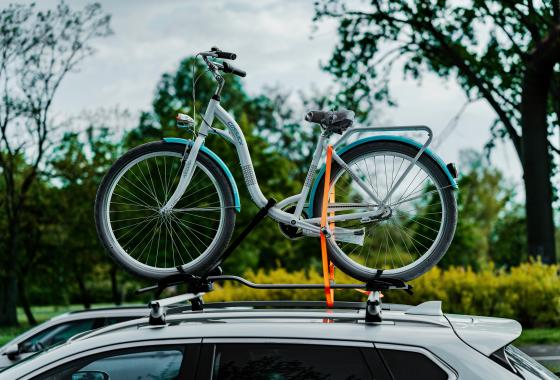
(527, 293)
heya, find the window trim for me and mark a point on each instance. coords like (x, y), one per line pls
(322, 342)
(451, 373)
(108, 348)
(208, 347)
(20, 342)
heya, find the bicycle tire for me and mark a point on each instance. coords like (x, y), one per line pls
(360, 272)
(201, 264)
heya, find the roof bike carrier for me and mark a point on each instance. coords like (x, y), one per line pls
(198, 285)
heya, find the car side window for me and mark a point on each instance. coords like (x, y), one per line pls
(260, 361)
(55, 334)
(112, 320)
(147, 364)
(406, 365)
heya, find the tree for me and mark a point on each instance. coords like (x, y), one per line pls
(509, 238)
(482, 202)
(38, 49)
(78, 167)
(505, 52)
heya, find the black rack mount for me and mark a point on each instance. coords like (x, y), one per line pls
(197, 286)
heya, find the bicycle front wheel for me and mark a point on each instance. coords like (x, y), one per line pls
(417, 225)
(149, 242)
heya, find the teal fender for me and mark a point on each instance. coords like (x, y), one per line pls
(218, 161)
(404, 140)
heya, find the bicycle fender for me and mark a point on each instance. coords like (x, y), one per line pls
(216, 159)
(401, 139)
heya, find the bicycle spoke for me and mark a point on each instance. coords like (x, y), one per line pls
(157, 238)
(396, 239)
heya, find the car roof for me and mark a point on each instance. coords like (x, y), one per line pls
(424, 325)
(485, 334)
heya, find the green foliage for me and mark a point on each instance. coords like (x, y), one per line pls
(527, 293)
(484, 202)
(505, 52)
(508, 241)
(484, 45)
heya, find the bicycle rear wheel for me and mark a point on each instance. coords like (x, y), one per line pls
(152, 243)
(417, 230)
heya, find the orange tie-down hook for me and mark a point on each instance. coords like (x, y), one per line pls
(328, 267)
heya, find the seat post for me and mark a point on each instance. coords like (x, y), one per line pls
(310, 174)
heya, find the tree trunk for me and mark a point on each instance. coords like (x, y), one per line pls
(84, 293)
(8, 302)
(25, 303)
(537, 163)
(117, 296)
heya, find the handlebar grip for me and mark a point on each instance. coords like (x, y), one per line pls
(233, 70)
(316, 116)
(226, 55)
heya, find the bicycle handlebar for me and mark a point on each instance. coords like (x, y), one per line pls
(229, 68)
(224, 66)
(223, 54)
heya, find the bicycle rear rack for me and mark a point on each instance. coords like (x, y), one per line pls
(197, 286)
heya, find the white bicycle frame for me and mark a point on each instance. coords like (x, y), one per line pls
(310, 226)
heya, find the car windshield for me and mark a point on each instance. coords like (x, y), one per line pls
(527, 366)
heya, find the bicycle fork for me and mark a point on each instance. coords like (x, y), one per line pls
(186, 175)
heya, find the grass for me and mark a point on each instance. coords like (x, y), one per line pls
(43, 313)
(539, 336)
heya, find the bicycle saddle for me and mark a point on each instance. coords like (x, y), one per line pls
(335, 121)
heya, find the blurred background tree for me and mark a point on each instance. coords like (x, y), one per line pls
(483, 200)
(39, 48)
(505, 52)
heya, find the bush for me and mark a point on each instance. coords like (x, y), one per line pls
(527, 293)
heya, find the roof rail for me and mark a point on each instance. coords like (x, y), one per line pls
(213, 311)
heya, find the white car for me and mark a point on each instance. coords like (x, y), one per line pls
(59, 329)
(291, 340)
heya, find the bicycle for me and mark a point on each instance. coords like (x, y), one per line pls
(170, 206)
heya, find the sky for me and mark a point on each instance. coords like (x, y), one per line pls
(276, 44)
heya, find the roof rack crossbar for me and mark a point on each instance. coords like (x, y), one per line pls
(197, 287)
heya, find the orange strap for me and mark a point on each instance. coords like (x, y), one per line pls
(328, 267)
